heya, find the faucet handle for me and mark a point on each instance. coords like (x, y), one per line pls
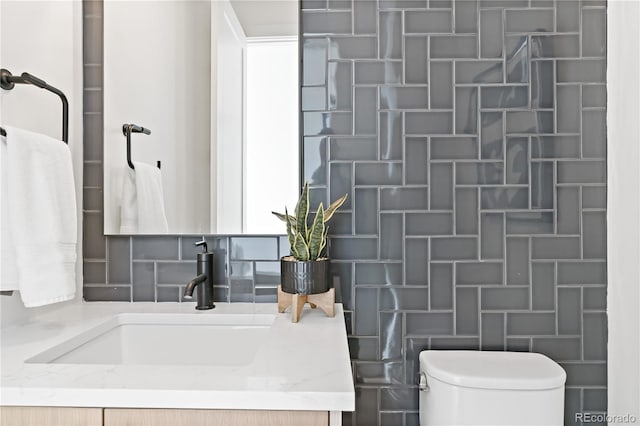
(202, 243)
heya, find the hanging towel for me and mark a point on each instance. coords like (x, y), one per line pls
(142, 210)
(8, 268)
(42, 215)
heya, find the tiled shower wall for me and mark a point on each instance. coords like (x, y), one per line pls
(470, 136)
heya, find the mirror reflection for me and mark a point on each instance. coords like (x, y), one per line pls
(200, 115)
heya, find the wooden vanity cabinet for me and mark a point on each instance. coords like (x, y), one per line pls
(50, 416)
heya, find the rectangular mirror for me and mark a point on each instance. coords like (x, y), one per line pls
(201, 115)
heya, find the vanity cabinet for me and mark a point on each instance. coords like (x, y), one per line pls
(63, 416)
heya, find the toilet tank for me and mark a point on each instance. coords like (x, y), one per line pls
(490, 388)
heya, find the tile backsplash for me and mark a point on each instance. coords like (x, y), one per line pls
(470, 135)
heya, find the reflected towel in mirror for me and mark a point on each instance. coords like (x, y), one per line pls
(142, 210)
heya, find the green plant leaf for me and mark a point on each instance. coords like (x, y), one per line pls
(324, 240)
(301, 248)
(290, 231)
(302, 212)
(328, 214)
(316, 234)
(284, 217)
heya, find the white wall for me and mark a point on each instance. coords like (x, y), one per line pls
(157, 75)
(623, 130)
(43, 38)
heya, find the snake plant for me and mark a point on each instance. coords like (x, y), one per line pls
(308, 240)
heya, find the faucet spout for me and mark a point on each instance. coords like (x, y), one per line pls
(191, 285)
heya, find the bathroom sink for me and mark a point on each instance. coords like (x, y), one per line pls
(165, 339)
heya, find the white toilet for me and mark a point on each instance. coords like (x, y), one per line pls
(490, 388)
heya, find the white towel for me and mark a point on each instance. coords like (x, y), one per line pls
(42, 215)
(142, 210)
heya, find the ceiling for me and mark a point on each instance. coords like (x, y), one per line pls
(267, 18)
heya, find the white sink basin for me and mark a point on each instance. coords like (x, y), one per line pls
(165, 339)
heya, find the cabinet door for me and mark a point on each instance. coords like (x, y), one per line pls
(50, 416)
(162, 417)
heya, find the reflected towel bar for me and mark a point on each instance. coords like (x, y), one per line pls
(8, 82)
(127, 129)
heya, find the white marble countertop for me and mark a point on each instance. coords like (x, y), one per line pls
(303, 366)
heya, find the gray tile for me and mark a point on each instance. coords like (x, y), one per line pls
(594, 197)
(118, 267)
(586, 374)
(517, 156)
(404, 198)
(267, 273)
(466, 113)
(555, 248)
(555, 147)
(339, 85)
(529, 223)
(241, 290)
(595, 326)
(378, 173)
(582, 272)
(569, 311)
(425, 123)
(453, 46)
(595, 399)
(341, 224)
(265, 295)
(364, 17)
(491, 235)
(366, 207)
(478, 72)
(398, 399)
(505, 97)
(542, 84)
(480, 173)
(391, 418)
(391, 230)
(92, 40)
(93, 139)
(517, 260)
(175, 272)
(520, 21)
(366, 406)
(428, 22)
(441, 178)
(530, 324)
(441, 85)
(498, 198)
(352, 148)
(417, 161)
(479, 273)
(557, 348)
(94, 272)
(441, 286)
(453, 148)
(390, 135)
(454, 248)
(262, 248)
(416, 261)
(354, 248)
(428, 224)
(143, 282)
(458, 343)
(313, 4)
(352, 48)
(504, 298)
(572, 405)
(492, 135)
(108, 293)
(92, 8)
(160, 248)
(492, 335)
(582, 172)
(466, 311)
(555, 46)
(466, 16)
(594, 95)
(93, 199)
(490, 33)
(92, 175)
(466, 211)
(581, 71)
(92, 100)
(594, 298)
(429, 323)
(395, 298)
(390, 32)
(340, 182)
(342, 280)
(325, 22)
(529, 122)
(379, 273)
(94, 241)
(366, 321)
(543, 292)
(542, 183)
(402, 4)
(365, 116)
(518, 344)
(517, 55)
(315, 160)
(379, 373)
(392, 97)
(363, 348)
(568, 111)
(594, 239)
(594, 136)
(391, 326)
(594, 32)
(326, 123)
(314, 54)
(568, 15)
(380, 72)
(415, 60)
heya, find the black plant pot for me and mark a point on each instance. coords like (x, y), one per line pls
(298, 277)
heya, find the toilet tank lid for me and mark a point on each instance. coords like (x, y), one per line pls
(493, 370)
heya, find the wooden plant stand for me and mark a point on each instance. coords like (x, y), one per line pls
(324, 301)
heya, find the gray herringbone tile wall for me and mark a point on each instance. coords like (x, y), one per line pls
(470, 135)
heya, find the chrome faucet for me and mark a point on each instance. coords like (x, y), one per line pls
(204, 281)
